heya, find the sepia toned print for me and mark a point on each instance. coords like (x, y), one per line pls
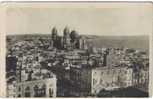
(79, 51)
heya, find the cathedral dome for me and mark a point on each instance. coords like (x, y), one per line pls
(74, 34)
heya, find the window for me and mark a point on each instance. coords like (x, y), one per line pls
(114, 71)
(36, 89)
(108, 72)
(126, 72)
(94, 81)
(95, 73)
(101, 81)
(101, 73)
(50, 92)
(19, 95)
(40, 92)
(27, 91)
(43, 90)
(19, 89)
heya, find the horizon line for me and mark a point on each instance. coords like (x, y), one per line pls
(79, 34)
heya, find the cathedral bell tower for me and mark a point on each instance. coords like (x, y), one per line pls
(66, 38)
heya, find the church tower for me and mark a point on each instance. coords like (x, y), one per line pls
(66, 38)
(54, 37)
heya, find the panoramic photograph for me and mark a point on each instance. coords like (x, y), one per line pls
(73, 50)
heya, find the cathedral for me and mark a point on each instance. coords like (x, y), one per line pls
(69, 41)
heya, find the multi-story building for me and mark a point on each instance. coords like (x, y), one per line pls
(80, 79)
(82, 43)
(111, 78)
(90, 81)
(37, 88)
(11, 90)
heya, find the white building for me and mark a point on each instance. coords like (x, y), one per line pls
(110, 78)
(37, 88)
(90, 81)
(11, 90)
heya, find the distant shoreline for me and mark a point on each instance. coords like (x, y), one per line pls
(82, 35)
(135, 42)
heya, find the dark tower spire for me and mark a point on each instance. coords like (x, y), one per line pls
(66, 38)
(105, 57)
(54, 37)
(54, 33)
(66, 31)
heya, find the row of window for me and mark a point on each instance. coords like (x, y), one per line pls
(112, 72)
(38, 92)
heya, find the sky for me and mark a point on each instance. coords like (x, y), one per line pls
(92, 19)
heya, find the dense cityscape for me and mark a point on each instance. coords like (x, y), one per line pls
(70, 66)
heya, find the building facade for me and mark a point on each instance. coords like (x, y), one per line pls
(90, 81)
(69, 41)
(110, 78)
(37, 88)
(11, 90)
